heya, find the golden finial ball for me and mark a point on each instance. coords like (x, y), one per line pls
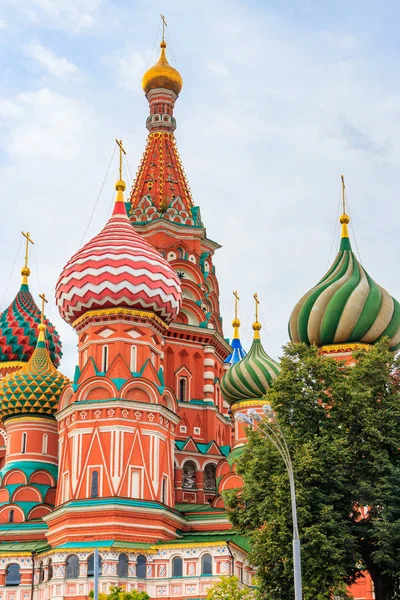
(25, 271)
(42, 327)
(235, 323)
(344, 219)
(120, 185)
(256, 326)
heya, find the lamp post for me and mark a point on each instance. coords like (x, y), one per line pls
(275, 435)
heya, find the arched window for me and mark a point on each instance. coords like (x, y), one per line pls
(133, 359)
(72, 567)
(182, 389)
(209, 478)
(13, 575)
(141, 566)
(90, 565)
(206, 564)
(23, 443)
(94, 484)
(104, 360)
(11, 516)
(50, 570)
(44, 443)
(177, 567)
(122, 565)
(41, 573)
(164, 490)
(189, 475)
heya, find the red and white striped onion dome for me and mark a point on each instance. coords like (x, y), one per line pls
(118, 268)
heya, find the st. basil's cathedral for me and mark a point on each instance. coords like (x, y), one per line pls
(131, 457)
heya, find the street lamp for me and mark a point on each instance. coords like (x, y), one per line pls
(275, 435)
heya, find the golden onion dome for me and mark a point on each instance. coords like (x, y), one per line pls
(162, 75)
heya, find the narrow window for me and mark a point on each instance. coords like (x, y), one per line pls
(90, 565)
(182, 389)
(44, 444)
(122, 565)
(94, 484)
(133, 359)
(41, 573)
(135, 490)
(210, 478)
(23, 445)
(50, 570)
(141, 567)
(85, 357)
(11, 516)
(153, 358)
(164, 490)
(206, 564)
(177, 567)
(13, 575)
(72, 567)
(105, 359)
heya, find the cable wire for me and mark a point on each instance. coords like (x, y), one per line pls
(11, 274)
(172, 48)
(335, 235)
(154, 45)
(41, 290)
(99, 195)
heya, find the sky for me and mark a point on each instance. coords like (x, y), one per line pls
(279, 100)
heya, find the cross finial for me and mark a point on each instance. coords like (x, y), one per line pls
(255, 296)
(44, 300)
(343, 195)
(25, 271)
(236, 304)
(164, 25)
(121, 150)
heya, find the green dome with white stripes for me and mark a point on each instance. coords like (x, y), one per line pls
(346, 306)
(252, 376)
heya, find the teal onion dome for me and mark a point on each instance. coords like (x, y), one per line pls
(252, 376)
(346, 306)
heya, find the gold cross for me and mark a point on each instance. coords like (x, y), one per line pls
(121, 150)
(343, 194)
(164, 25)
(29, 240)
(236, 303)
(43, 299)
(255, 296)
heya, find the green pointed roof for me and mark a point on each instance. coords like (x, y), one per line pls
(252, 376)
(346, 306)
(36, 387)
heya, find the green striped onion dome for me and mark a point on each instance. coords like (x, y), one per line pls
(346, 306)
(252, 376)
(36, 387)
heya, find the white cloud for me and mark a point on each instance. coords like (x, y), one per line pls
(217, 67)
(57, 66)
(130, 66)
(75, 15)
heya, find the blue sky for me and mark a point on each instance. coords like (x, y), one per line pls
(279, 99)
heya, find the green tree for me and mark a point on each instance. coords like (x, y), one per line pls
(342, 426)
(228, 588)
(118, 593)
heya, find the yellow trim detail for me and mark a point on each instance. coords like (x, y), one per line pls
(105, 312)
(12, 363)
(246, 403)
(331, 348)
(192, 545)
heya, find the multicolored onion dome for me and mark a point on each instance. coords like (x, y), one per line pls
(238, 351)
(252, 376)
(36, 387)
(346, 306)
(118, 268)
(19, 330)
(162, 75)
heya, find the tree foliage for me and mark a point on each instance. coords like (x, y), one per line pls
(342, 426)
(228, 588)
(118, 593)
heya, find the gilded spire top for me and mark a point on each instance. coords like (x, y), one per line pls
(25, 271)
(236, 321)
(256, 324)
(41, 343)
(120, 186)
(162, 75)
(344, 218)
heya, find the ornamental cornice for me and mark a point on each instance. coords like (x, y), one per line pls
(335, 348)
(188, 545)
(118, 312)
(248, 403)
